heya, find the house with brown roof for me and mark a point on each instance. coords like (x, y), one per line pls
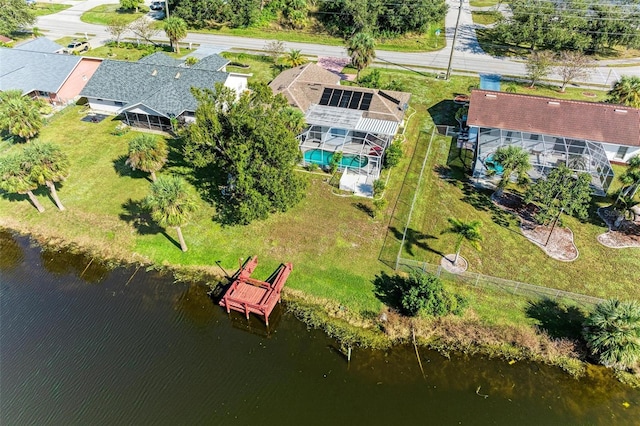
(584, 136)
(357, 122)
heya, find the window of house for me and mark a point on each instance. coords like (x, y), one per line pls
(338, 132)
(622, 152)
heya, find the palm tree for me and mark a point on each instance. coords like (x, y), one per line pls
(176, 29)
(612, 332)
(171, 203)
(19, 115)
(147, 153)
(626, 91)
(512, 159)
(15, 178)
(293, 59)
(48, 165)
(362, 50)
(631, 178)
(294, 119)
(469, 231)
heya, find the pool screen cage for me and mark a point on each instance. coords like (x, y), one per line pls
(545, 153)
(367, 148)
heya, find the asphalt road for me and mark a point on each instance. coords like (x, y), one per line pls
(468, 57)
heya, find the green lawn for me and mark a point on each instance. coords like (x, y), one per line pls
(103, 14)
(483, 3)
(487, 17)
(41, 9)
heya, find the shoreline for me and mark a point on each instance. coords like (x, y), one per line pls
(467, 335)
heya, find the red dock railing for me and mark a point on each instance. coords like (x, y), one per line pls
(246, 294)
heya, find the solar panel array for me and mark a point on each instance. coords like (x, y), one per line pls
(346, 99)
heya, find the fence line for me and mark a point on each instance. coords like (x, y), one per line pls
(477, 280)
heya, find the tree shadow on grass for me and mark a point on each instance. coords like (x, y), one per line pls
(135, 214)
(480, 199)
(444, 113)
(389, 289)
(559, 321)
(413, 239)
(122, 169)
(365, 209)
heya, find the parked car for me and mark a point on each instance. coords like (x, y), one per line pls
(77, 47)
(157, 5)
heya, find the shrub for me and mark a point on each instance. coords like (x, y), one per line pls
(371, 80)
(378, 187)
(425, 295)
(335, 162)
(393, 155)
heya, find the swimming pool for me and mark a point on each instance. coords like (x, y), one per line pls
(493, 165)
(323, 158)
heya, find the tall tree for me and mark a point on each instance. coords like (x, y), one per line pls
(560, 191)
(465, 231)
(362, 50)
(117, 27)
(294, 119)
(15, 14)
(19, 115)
(15, 178)
(48, 165)
(171, 203)
(612, 333)
(130, 4)
(144, 29)
(572, 65)
(513, 159)
(147, 153)
(176, 29)
(293, 59)
(626, 91)
(251, 152)
(539, 65)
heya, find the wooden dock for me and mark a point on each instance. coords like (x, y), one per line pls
(247, 295)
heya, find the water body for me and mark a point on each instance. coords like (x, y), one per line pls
(83, 345)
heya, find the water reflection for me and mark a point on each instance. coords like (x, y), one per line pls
(62, 262)
(10, 251)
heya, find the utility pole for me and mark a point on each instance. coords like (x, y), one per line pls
(166, 6)
(453, 43)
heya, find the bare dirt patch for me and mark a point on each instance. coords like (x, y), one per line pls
(556, 242)
(625, 235)
(459, 267)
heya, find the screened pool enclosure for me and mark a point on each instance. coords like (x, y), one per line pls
(545, 153)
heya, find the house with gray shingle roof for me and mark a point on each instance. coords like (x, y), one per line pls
(357, 123)
(584, 136)
(157, 88)
(43, 73)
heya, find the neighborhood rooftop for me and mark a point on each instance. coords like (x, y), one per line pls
(40, 44)
(310, 85)
(31, 70)
(165, 89)
(573, 119)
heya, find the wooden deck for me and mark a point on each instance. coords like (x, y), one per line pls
(247, 295)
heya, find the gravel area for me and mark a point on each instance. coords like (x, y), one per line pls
(626, 235)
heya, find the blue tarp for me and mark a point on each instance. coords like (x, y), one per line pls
(490, 82)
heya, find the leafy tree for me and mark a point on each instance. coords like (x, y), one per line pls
(176, 29)
(204, 13)
(47, 165)
(424, 295)
(624, 206)
(275, 50)
(572, 66)
(171, 203)
(560, 191)
(539, 65)
(15, 14)
(294, 14)
(19, 115)
(362, 50)
(612, 333)
(251, 151)
(147, 153)
(513, 159)
(626, 91)
(117, 27)
(15, 178)
(347, 17)
(393, 155)
(371, 80)
(130, 4)
(293, 59)
(334, 162)
(465, 231)
(612, 25)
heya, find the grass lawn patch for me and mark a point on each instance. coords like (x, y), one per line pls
(486, 17)
(42, 9)
(483, 3)
(103, 14)
(260, 66)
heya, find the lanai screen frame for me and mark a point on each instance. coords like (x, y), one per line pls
(317, 136)
(547, 152)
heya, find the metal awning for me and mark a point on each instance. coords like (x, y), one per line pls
(340, 118)
(383, 127)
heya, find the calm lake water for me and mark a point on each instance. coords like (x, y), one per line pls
(83, 345)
